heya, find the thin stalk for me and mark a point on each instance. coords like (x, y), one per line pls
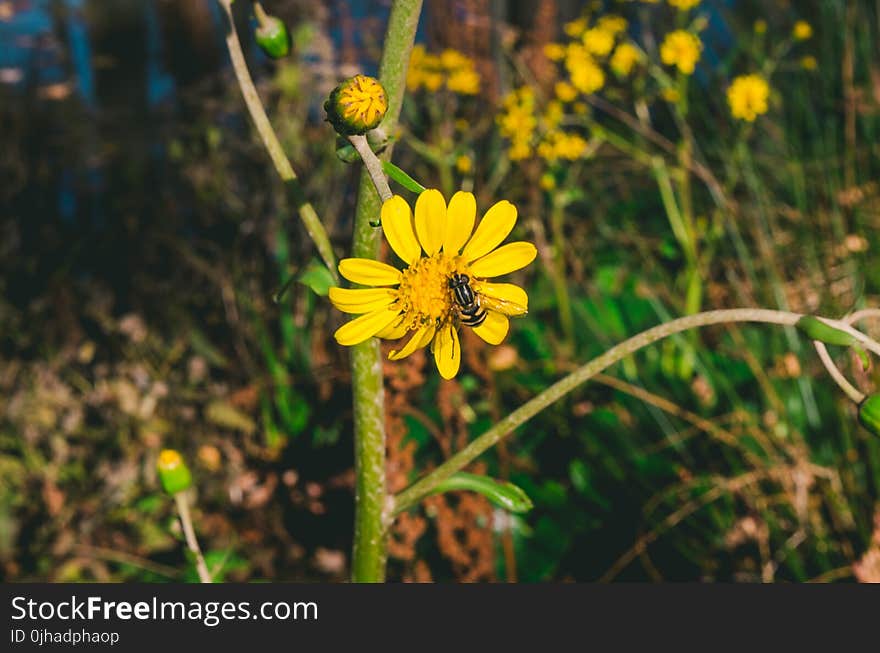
(372, 165)
(370, 548)
(312, 223)
(848, 388)
(190, 534)
(423, 487)
(563, 300)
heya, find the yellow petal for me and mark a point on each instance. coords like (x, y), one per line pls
(361, 300)
(494, 328)
(493, 228)
(419, 339)
(505, 298)
(431, 220)
(447, 351)
(369, 272)
(508, 258)
(460, 218)
(365, 327)
(394, 331)
(397, 222)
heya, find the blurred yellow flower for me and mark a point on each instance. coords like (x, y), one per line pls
(465, 81)
(565, 91)
(517, 121)
(683, 5)
(612, 23)
(624, 58)
(802, 30)
(463, 164)
(598, 42)
(747, 97)
(681, 49)
(586, 75)
(809, 62)
(562, 145)
(671, 95)
(547, 181)
(575, 28)
(436, 244)
(554, 51)
(452, 68)
(760, 26)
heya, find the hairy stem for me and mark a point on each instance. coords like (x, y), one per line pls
(371, 498)
(420, 489)
(308, 215)
(372, 165)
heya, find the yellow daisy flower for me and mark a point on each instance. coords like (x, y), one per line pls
(440, 249)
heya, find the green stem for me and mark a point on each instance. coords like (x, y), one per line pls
(423, 487)
(308, 215)
(560, 282)
(372, 503)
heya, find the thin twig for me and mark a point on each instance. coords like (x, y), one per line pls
(506, 426)
(372, 165)
(313, 225)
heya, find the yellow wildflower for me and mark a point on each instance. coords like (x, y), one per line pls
(547, 181)
(561, 145)
(747, 97)
(683, 5)
(809, 62)
(612, 23)
(565, 91)
(802, 30)
(356, 105)
(681, 49)
(464, 164)
(453, 59)
(575, 28)
(760, 26)
(624, 58)
(465, 81)
(417, 301)
(586, 75)
(598, 42)
(554, 51)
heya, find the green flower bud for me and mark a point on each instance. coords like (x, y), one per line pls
(173, 472)
(869, 413)
(357, 105)
(271, 34)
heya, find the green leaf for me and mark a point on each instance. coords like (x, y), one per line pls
(317, 277)
(501, 493)
(401, 177)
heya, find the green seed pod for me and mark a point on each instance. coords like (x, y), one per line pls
(869, 413)
(272, 36)
(502, 493)
(816, 329)
(357, 105)
(173, 472)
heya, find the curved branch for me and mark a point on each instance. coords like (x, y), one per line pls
(421, 488)
(308, 215)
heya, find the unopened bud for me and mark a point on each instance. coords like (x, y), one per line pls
(271, 34)
(357, 105)
(173, 472)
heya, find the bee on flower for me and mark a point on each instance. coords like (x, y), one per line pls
(748, 96)
(445, 282)
(682, 50)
